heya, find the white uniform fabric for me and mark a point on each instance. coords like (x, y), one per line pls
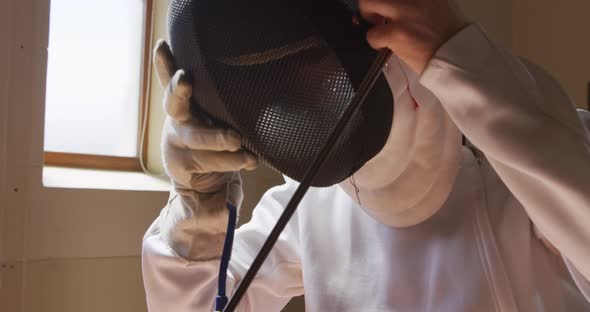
(475, 252)
(421, 157)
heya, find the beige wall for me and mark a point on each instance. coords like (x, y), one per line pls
(94, 284)
(550, 34)
(494, 15)
(556, 35)
(60, 249)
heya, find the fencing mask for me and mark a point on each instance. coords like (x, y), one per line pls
(281, 73)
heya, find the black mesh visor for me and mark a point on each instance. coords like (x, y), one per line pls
(281, 72)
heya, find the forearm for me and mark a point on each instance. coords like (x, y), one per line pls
(173, 283)
(527, 127)
(181, 251)
(194, 225)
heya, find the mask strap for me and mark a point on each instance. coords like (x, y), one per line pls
(356, 189)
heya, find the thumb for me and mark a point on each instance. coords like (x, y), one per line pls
(164, 62)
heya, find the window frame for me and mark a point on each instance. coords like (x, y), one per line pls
(118, 163)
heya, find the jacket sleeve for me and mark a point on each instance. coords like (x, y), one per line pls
(528, 128)
(176, 283)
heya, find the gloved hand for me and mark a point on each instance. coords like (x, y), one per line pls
(203, 163)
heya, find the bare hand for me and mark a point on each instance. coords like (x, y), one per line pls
(413, 29)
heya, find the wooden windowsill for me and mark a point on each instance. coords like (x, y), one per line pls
(92, 162)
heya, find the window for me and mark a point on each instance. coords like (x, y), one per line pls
(98, 60)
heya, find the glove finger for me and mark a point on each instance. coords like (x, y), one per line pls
(177, 97)
(211, 182)
(226, 185)
(198, 136)
(203, 171)
(211, 161)
(164, 62)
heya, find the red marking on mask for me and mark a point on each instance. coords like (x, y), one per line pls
(414, 102)
(416, 105)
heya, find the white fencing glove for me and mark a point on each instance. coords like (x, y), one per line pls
(203, 163)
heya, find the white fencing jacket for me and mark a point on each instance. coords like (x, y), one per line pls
(477, 252)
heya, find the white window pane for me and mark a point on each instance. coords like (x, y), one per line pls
(93, 77)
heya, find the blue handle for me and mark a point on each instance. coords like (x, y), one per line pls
(221, 299)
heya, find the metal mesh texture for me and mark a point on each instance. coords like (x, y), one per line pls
(281, 72)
